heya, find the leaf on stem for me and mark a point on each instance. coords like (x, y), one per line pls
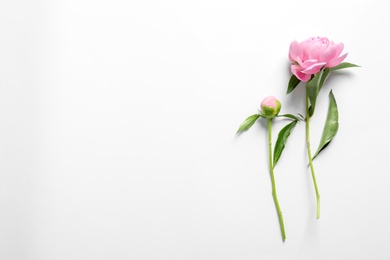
(313, 88)
(331, 125)
(344, 65)
(290, 116)
(248, 123)
(293, 83)
(325, 75)
(302, 117)
(315, 84)
(282, 139)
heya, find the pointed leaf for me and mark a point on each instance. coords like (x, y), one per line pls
(331, 125)
(290, 116)
(313, 88)
(344, 65)
(282, 139)
(302, 117)
(325, 75)
(248, 123)
(294, 81)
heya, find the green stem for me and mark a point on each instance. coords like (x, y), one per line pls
(309, 155)
(271, 167)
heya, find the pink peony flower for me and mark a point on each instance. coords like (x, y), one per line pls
(308, 57)
(270, 106)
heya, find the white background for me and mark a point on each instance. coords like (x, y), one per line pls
(118, 121)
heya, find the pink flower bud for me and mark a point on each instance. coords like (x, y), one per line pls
(270, 106)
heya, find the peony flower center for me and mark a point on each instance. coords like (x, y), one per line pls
(318, 42)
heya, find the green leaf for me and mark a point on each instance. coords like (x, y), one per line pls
(291, 116)
(331, 125)
(325, 75)
(282, 139)
(344, 65)
(247, 123)
(293, 82)
(313, 88)
(302, 118)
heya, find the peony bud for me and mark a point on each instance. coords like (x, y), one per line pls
(270, 107)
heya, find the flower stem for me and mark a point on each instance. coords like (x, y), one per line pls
(310, 156)
(271, 167)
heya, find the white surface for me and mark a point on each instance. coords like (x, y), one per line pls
(117, 123)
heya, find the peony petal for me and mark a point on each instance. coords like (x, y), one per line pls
(305, 50)
(314, 53)
(297, 71)
(295, 51)
(337, 61)
(315, 68)
(328, 54)
(340, 48)
(307, 63)
(269, 101)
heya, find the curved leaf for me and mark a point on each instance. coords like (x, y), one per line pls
(282, 139)
(344, 65)
(313, 88)
(331, 125)
(247, 123)
(290, 116)
(325, 75)
(293, 83)
(302, 117)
